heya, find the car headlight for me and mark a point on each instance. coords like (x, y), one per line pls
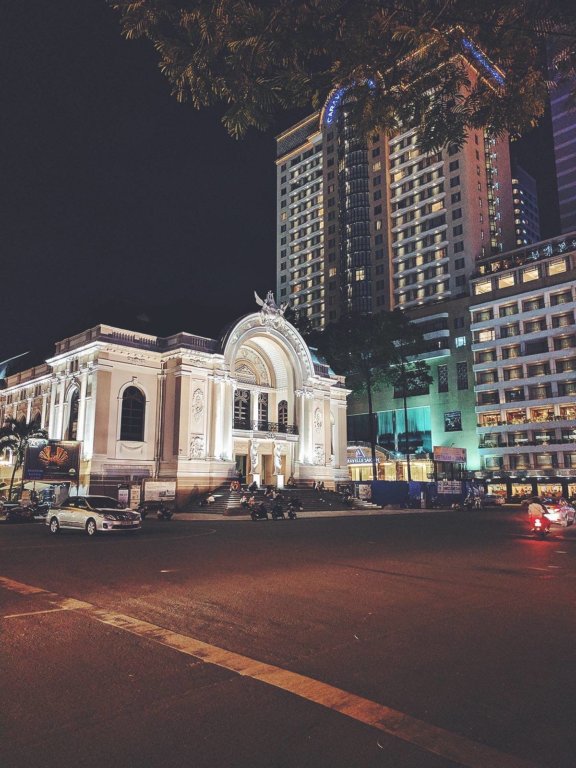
(109, 517)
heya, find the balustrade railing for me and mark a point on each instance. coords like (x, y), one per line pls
(266, 426)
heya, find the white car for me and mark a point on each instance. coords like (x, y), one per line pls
(92, 514)
(559, 511)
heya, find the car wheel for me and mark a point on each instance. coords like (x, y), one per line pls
(91, 528)
(54, 526)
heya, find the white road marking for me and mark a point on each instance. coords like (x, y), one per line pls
(438, 741)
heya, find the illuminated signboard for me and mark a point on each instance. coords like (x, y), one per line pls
(489, 68)
(335, 100)
(450, 454)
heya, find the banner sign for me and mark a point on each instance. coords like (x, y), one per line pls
(450, 487)
(52, 460)
(449, 454)
(159, 490)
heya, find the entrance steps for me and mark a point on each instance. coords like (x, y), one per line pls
(227, 502)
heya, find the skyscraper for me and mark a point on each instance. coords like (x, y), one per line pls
(526, 211)
(372, 225)
(564, 135)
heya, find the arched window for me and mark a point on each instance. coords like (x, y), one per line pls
(72, 433)
(133, 410)
(282, 415)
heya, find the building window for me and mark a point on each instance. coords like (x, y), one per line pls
(442, 378)
(488, 334)
(560, 298)
(133, 412)
(531, 304)
(242, 408)
(557, 266)
(462, 375)
(282, 415)
(460, 341)
(506, 281)
(263, 409)
(532, 273)
(483, 287)
(72, 433)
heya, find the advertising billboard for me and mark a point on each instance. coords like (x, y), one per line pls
(450, 454)
(52, 461)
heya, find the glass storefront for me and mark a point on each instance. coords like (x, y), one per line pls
(521, 491)
(498, 489)
(549, 489)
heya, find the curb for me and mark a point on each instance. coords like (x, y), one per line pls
(204, 516)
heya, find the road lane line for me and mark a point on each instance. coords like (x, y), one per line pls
(438, 741)
(459, 749)
(17, 586)
(32, 613)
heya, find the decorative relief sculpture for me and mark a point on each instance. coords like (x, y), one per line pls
(254, 458)
(197, 405)
(319, 455)
(317, 419)
(197, 447)
(277, 458)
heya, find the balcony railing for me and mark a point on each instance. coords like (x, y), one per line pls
(266, 426)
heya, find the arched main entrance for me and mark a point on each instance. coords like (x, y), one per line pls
(270, 367)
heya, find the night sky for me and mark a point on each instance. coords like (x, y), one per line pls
(118, 204)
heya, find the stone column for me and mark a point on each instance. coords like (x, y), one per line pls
(218, 420)
(228, 413)
(60, 409)
(44, 409)
(82, 406)
(52, 409)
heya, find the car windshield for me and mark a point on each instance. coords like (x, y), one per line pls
(104, 502)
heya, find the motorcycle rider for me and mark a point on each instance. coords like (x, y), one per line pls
(537, 510)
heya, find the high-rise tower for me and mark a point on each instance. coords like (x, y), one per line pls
(372, 225)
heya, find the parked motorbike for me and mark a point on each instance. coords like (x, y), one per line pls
(278, 512)
(18, 514)
(164, 513)
(259, 513)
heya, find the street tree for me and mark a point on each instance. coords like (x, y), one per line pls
(398, 62)
(370, 350)
(407, 373)
(15, 435)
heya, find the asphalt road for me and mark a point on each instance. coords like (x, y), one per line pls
(408, 641)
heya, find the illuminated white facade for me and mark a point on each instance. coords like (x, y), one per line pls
(189, 408)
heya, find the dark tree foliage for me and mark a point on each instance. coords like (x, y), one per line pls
(401, 61)
(371, 350)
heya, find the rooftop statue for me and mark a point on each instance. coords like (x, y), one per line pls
(269, 306)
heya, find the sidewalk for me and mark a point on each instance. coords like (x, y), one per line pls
(361, 512)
